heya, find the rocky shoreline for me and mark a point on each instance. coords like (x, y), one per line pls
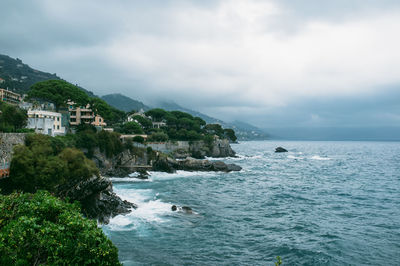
(101, 203)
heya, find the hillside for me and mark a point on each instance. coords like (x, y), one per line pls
(124, 103)
(19, 77)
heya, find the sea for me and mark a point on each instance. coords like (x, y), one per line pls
(321, 203)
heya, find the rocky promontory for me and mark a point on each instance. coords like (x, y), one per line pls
(98, 201)
(166, 164)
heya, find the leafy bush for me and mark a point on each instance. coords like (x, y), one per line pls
(158, 136)
(41, 229)
(131, 128)
(44, 163)
(109, 143)
(138, 139)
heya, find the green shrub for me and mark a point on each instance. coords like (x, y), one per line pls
(44, 163)
(158, 136)
(138, 139)
(41, 229)
(109, 143)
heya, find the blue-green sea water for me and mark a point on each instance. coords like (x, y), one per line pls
(322, 203)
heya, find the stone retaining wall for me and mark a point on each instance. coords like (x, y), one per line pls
(7, 143)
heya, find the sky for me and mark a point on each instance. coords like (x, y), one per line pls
(272, 63)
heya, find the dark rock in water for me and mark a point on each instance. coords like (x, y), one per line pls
(165, 164)
(174, 208)
(97, 198)
(143, 174)
(187, 209)
(280, 149)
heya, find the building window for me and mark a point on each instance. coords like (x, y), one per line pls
(58, 127)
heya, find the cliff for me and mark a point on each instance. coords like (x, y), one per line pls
(152, 156)
(220, 148)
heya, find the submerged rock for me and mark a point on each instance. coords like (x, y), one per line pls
(97, 198)
(280, 149)
(184, 209)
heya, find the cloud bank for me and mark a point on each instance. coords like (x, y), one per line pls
(271, 63)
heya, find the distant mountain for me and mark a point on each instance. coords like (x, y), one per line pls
(19, 77)
(243, 130)
(124, 103)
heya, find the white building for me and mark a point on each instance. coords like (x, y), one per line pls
(46, 122)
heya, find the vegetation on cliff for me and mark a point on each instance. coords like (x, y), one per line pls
(38, 229)
(46, 163)
(12, 118)
(178, 126)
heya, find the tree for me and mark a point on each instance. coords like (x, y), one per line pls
(214, 129)
(39, 229)
(109, 113)
(39, 164)
(132, 128)
(12, 118)
(138, 139)
(230, 134)
(58, 92)
(145, 122)
(158, 136)
(157, 114)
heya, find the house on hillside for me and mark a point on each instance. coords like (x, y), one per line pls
(141, 113)
(46, 122)
(10, 97)
(159, 124)
(84, 114)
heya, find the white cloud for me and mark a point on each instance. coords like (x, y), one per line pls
(230, 52)
(231, 59)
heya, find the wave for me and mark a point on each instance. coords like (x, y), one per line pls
(150, 210)
(180, 174)
(295, 157)
(317, 157)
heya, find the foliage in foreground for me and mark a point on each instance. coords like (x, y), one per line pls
(41, 229)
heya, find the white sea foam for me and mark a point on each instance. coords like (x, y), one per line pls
(129, 179)
(180, 174)
(317, 157)
(295, 157)
(150, 210)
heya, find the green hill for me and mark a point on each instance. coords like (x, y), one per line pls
(124, 103)
(19, 77)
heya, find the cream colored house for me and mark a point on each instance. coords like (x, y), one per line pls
(10, 97)
(46, 122)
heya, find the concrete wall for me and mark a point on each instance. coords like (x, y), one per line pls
(167, 147)
(7, 143)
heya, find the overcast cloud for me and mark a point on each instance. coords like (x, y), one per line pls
(271, 63)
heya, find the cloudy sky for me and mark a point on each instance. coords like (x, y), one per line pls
(273, 63)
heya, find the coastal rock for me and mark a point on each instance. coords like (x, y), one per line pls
(143, 174)
(170, 165)
(280, 149)
(97, 198)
